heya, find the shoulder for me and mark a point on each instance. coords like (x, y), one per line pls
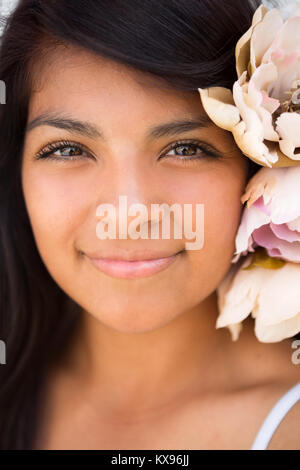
(287, 434)
(285, 374)
(270, 372)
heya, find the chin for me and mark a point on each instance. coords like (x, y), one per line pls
(129, 320)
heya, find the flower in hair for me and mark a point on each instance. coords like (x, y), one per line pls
(271, 218)
(268, 291)
(263, 109)
(264, 280)
(263, 114)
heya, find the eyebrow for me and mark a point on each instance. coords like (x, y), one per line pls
(88, 129)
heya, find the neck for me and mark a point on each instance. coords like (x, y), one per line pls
(142, 370)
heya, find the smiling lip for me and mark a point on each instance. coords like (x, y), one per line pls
(132, 268)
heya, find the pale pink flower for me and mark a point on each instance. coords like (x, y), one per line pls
(270, 296)
(263, 111)
(271, 217)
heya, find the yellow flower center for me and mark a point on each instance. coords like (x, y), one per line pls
(261, 258)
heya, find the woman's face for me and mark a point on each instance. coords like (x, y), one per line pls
(123, 158)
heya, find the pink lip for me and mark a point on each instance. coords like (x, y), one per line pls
(132, 269)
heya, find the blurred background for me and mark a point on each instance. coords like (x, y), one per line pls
(6, 6)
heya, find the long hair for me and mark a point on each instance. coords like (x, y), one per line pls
(185, 44)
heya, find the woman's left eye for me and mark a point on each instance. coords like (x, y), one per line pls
(63, 151)
(189, 151)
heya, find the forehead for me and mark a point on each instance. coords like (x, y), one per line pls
(75, 80)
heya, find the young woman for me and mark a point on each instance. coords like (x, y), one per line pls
(104, 349)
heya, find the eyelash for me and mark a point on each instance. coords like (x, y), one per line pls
(46, 152)
(206, 149)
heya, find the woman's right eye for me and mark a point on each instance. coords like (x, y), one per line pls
(63, 151)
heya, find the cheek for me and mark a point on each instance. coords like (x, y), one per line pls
(220, 193)
(223, 213)
(55, 207)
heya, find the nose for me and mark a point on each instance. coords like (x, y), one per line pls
(128, 196)
(133, 180)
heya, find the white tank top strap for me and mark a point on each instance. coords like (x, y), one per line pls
(275, 416)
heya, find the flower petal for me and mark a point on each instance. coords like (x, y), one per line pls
(242, 49)
(264, 236)
(288, 70)
(241, 295)
(279, 298)
(263, 183)
(287, 39)
(282, 161)
(235, 330)
(270, 296)
(287, 126)
(260, 81)
(252, 219)
(252, 146)
(285, 233)
(263, 35)
(278, 332)
(219, 105)
(294, 224)
(285, 202)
